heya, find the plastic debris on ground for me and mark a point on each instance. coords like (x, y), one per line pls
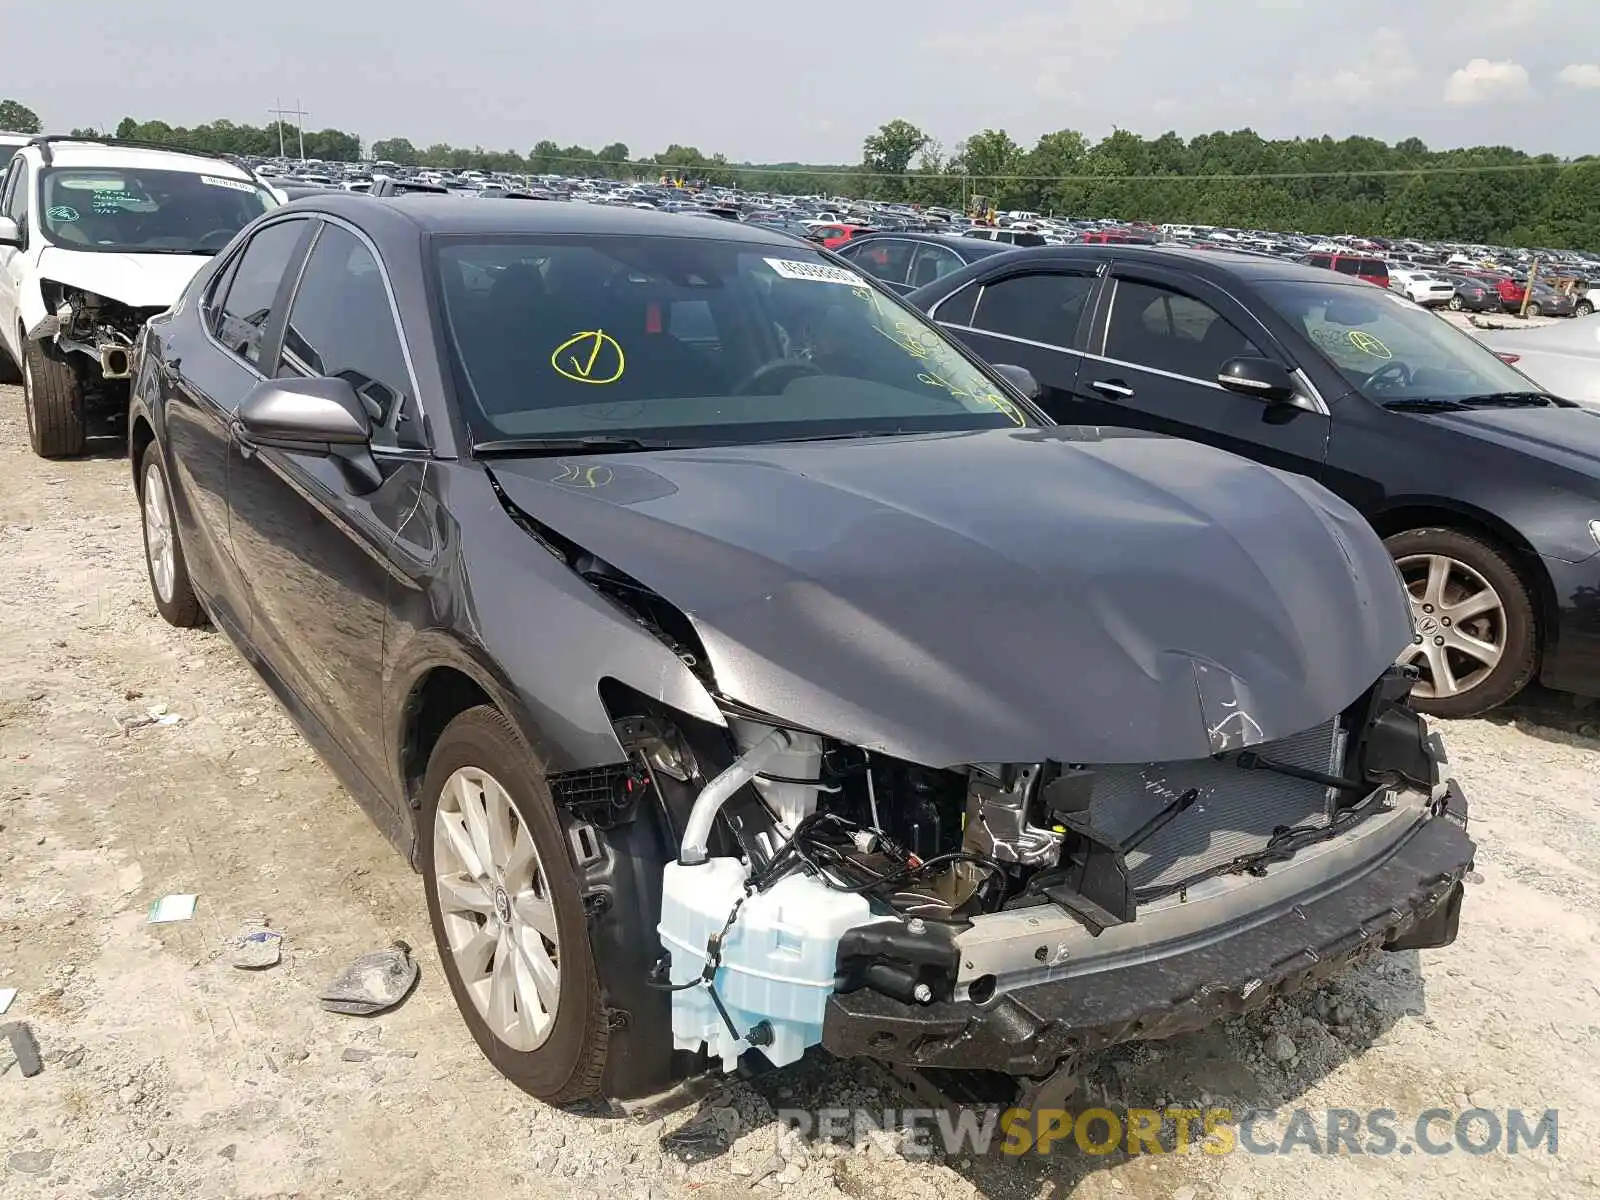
(24, 1045)
(172, 908)
(257, 947)
(7, 995)
(372, 983)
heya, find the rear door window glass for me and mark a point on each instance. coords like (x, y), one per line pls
(1040, 307)
(247, 307)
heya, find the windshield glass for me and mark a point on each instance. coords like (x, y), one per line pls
(1387, 347)
(691, 339)
(139, 211)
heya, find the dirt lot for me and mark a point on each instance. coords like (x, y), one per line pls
(171, 1073)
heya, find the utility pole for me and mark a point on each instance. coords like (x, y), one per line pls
(1527, 292)
(299, 115)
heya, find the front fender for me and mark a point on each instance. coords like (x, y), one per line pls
(474, 593)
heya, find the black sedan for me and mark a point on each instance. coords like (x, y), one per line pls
(713, 635)
(906, 261)
(1486, 490)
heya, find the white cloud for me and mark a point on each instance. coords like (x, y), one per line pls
(1387, 66)
(1482, 81)
(1052, 46)
(1580, 75)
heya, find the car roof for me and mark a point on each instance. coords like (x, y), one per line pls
(467, 215)
(1222, 267)
(978, 246)
(103, 154)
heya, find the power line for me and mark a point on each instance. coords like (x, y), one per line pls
(299, 115)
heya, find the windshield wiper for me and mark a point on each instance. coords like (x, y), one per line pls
(594, 444)
(1468, 403)
(209, 253)
(1424, 404)
(1511, 400)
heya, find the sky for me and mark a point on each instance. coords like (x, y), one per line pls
(763, 82)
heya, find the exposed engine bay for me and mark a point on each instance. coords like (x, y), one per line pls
(102, 330)
(843, 870)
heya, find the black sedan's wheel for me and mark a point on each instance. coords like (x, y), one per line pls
(1457, 303)
(163, 555)
(1474, 636)
(1583, 308)
(1534, 309)
(507, 917)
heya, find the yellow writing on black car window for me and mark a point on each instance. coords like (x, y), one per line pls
(933, 379)
(573, 475)
(592, 356)
(1368, 344)
(1004, 406)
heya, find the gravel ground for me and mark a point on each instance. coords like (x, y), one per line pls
(169, 1073)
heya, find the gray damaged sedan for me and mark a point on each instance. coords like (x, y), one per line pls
(747, 669)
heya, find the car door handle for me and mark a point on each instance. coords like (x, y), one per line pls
(1112, 387)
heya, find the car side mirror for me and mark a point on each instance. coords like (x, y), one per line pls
(1259, 377)
(1020, 378)
(305, 414)
(323, 417)
(10, 234)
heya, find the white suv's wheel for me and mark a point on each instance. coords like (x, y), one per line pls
(53, 398)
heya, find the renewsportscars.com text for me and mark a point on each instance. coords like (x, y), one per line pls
(1015, 1131)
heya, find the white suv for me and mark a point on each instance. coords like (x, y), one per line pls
(95, 238)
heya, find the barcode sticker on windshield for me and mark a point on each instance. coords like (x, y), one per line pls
(788, 268)
(237, 185)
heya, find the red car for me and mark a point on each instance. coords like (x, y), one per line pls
(834, 236)
(1373, 270)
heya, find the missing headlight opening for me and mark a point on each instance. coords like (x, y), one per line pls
(105, 330)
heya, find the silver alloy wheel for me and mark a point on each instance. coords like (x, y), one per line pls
(496, 907)
(159, 547)
(1458, 624)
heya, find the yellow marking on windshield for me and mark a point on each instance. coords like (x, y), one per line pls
(1369, 344)
(596, 358)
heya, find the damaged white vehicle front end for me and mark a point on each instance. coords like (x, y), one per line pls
(95, 305)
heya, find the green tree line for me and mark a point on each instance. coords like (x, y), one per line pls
(1356, 185)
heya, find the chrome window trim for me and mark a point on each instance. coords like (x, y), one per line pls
(1309, 389)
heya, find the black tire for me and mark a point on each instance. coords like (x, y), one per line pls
(53, 398)
(567, 1066)
(1518, 630)
(1457, 303)
(182, 606)
(1583, 308)
(1534, 310)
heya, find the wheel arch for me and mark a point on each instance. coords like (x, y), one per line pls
(1426, 512)
(141, 435)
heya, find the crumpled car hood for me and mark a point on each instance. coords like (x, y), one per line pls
(997, 596)
(137, 280)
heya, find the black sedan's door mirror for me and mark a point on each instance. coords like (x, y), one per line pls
(1259, 377)
(312, 416)
(309, 415)
(1020, 378)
